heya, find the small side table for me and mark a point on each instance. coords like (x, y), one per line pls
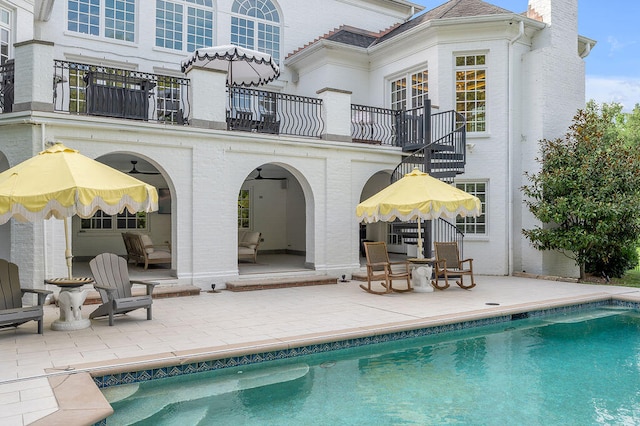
(421, 274)
(70, 300)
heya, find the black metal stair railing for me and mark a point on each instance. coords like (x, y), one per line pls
(432, 230)
(442, 153)
(437, 145)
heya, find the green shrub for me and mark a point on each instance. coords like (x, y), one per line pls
(618, 261)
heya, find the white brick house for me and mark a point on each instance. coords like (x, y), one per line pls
(517, 77)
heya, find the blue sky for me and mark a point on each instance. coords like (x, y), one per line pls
(613, 67)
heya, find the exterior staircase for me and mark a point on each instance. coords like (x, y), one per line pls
(435, 144)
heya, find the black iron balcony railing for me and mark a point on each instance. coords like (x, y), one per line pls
(113, 92)
(6, 86)
(262, 111)
(373, 125)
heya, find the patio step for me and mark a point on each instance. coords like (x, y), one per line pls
(159, 292)
(269, 283)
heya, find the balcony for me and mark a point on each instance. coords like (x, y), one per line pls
(112, 92)
(199, 100)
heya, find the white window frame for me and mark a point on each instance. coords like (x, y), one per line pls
(128, 28)
(101, 217)
(411, 95)
(477, 122)
(242, 221)
(468, 224)
(6, 21)
(202, 11)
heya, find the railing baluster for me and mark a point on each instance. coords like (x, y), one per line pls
(373, 125)
(272, 112)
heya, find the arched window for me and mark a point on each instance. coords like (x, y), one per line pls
(255, 24)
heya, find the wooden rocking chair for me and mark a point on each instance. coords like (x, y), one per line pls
(449, 265)
(380, 268)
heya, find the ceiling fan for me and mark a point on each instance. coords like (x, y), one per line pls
(135, 171)
(260, 177)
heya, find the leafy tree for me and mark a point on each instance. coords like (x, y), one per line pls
(587, 193)
(630, 127)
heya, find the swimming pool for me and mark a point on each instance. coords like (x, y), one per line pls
(580, 367)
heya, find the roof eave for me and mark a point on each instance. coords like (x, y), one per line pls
(322, 44)
(442, 22)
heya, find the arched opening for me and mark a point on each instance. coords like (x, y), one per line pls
(103, 233)
(272, 202)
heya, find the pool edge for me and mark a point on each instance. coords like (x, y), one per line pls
(91, 373)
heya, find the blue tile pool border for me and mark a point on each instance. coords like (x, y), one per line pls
(235, 361)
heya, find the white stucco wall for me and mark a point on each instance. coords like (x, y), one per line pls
(534, 86)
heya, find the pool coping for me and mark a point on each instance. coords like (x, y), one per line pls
(80, 400)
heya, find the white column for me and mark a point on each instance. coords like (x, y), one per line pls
(33, 81)
(336, 112)
(208, 98)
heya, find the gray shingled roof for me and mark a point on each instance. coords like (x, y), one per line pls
(352, 37)
(451, 9)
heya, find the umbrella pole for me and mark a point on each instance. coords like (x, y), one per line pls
(420, 252)
(67, 252)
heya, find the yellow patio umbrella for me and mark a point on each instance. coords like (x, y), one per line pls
(60, 182)
(418, 196)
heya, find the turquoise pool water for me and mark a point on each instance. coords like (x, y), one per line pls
(576, 369)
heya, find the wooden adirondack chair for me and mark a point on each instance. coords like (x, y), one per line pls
(112, 282)
(12, 312)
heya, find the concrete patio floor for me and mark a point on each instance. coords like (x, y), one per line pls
(216, 323)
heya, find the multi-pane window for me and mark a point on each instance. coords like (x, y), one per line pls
(77, 90)
(108, 18)
(5, 34)
(121, 221)
(184, 23)
(169, 29)
(168, 99)
(100, 220)
(244, 205)
(412, 96)
(119, 19)
(399, 94)
(474, 225)
(255, 24)
(83, 16)
(471, 91)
